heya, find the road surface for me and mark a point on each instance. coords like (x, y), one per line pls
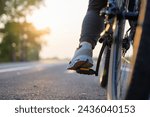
(46, 81)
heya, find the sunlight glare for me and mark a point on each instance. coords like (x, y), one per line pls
(64, 19)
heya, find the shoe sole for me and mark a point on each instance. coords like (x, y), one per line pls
(80, 64)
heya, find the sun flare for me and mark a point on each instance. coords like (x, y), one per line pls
(39, 19)
(47, 16)
(63, 18)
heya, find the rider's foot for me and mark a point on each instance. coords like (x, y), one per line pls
(82, 57)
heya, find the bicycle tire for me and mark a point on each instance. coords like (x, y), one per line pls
(138, 86)
(139, 80)
(115, 59)
(104, 67)
(114, 65)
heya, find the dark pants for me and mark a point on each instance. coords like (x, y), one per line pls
(93, 24)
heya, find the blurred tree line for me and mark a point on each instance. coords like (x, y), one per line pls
(19, 39)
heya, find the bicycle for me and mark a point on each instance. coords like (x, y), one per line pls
(121, 50)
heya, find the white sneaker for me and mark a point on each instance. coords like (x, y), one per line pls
(82, 57)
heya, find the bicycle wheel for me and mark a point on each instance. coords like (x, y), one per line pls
(115, 62)
(104, 67)
(139, 80)
(135, 82)
(116, 86)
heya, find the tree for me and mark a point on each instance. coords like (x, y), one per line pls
(21, 40)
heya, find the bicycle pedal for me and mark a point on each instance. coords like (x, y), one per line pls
(86, 71)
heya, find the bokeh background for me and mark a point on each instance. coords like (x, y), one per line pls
(40, 29)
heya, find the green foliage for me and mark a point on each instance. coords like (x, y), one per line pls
(21, 40)
(16, 7)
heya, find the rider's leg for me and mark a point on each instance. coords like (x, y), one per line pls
(92, 24)
(91, 27)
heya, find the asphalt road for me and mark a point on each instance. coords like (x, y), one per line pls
(46, 81)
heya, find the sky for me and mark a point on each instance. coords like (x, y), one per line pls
(64, 18)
